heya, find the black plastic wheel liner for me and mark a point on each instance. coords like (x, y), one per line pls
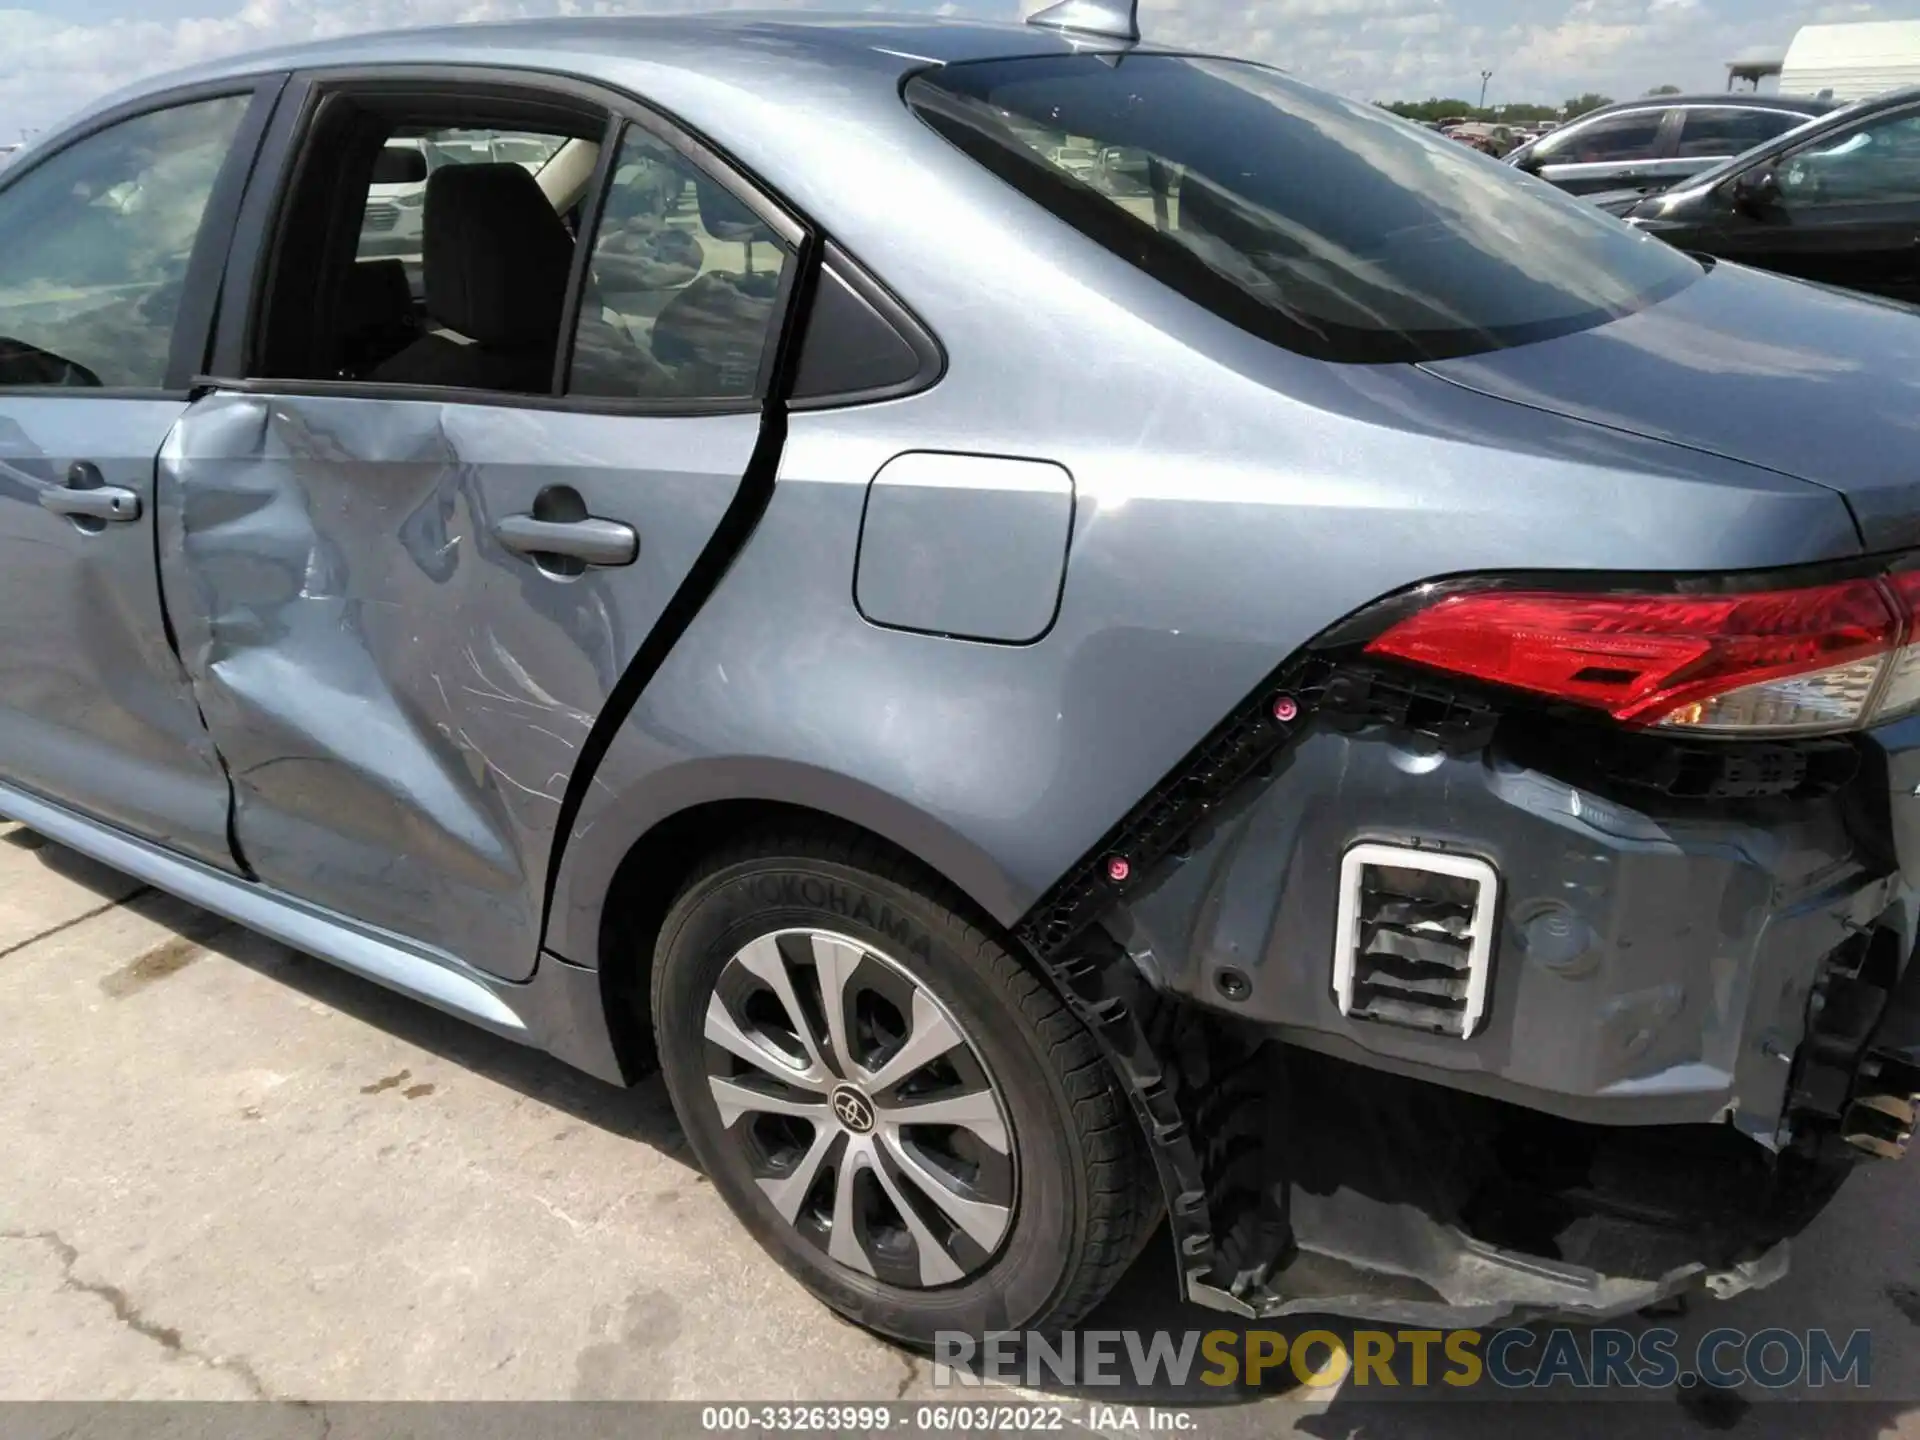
(1203, 1111)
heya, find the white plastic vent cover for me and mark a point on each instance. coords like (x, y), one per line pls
(1414, 944)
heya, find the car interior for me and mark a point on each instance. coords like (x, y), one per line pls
(678, 296)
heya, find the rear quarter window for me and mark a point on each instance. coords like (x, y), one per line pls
(1321, 224)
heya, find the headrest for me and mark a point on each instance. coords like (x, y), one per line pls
(496, 256)
(375, 295)
(726, 217)
(719, 324)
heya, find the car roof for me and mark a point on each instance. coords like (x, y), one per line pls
(1839, 116)
(769, 47)
(1886, 100)
(809, 108)
(1842, 116)
(1733, 100)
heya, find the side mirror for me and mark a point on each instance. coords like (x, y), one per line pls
(399, 165)
(1757, 190)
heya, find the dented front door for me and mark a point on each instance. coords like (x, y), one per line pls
(111, 237)
(95, 712)
(399, 680)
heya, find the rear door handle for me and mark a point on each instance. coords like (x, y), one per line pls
(103, 502)
(595, 542)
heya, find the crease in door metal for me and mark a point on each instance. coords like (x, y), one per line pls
(402, 701)
(298, 684)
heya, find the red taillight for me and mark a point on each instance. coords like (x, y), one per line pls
(1784, 661)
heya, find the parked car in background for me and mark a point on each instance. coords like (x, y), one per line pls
(390, 224)
(1063, 634)
(1488, 139)
(1614, 156)
(1837, 201)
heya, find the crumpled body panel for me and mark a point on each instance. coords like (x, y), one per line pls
(399, 698)
(1651, 964)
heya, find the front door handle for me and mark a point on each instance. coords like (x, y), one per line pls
(594, 542)
(103, 502)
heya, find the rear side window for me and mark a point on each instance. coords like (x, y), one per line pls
(1707, 133)
(1632, 135)
(1321, 224)
(94, 245)
(683, 288)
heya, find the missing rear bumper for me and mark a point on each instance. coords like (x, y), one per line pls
(1462, 1283)
(1659, 1066)
(1416, 1204)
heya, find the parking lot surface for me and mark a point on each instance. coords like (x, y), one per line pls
(233, 1172)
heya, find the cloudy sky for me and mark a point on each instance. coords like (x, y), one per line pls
(55, 55)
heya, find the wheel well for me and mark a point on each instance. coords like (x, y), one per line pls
(659, 865)
(654, 871)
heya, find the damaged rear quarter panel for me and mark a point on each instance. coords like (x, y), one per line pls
(399, 698)
(1191, 576)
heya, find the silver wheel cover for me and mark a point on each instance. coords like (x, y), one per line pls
(867, 1117)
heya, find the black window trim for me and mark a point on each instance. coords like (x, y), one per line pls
(925, 345)
(1799, 117)
(193, 325)
(586, 238)
(275, 173)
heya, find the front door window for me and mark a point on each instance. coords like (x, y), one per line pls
(1876, 164)
(94, 245)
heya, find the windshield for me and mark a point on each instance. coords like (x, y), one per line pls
(1325, 225)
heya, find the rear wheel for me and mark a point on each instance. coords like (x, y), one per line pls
(903, 1114)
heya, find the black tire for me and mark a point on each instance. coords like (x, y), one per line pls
(1085, 1196)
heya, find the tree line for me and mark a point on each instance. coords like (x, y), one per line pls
(1450, 108)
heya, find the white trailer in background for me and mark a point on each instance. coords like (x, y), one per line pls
(1853, 61)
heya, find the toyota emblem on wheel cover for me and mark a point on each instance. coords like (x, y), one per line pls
(853, 1109)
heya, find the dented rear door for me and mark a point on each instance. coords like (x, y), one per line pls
(404, 607)
(400, 696)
